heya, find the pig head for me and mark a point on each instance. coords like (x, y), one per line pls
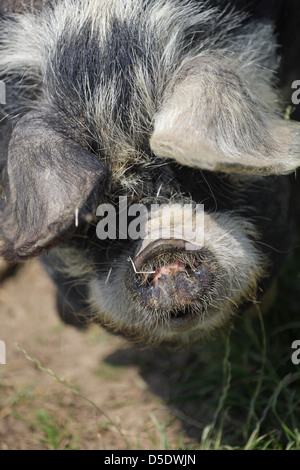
(166, 103)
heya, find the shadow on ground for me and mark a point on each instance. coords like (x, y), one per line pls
(243, 382)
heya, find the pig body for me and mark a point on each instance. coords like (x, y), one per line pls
(164, 102)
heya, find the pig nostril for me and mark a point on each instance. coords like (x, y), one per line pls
(150, 279)
(170, 270)
(167, 271)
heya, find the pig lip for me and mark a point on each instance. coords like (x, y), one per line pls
(159, 246)
(183, 320)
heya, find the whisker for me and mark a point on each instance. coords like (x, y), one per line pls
(139, 272)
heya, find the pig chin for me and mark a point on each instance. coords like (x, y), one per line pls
(177, 296)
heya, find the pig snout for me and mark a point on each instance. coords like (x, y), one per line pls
(168, 276)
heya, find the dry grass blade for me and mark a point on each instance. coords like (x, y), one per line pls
(75, 391)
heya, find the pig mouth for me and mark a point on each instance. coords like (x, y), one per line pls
(174, 280)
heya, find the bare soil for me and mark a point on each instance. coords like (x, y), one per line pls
(132, 387)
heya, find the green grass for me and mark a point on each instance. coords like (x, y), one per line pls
(240, 392)
(246, 394)
(55, 435)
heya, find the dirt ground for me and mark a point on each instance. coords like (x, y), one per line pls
(131, 386)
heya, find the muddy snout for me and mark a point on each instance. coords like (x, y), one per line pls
(172, 275)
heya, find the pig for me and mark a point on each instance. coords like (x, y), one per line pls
(159, 104)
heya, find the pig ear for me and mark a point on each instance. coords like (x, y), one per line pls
(53, 184)
(210, 119)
